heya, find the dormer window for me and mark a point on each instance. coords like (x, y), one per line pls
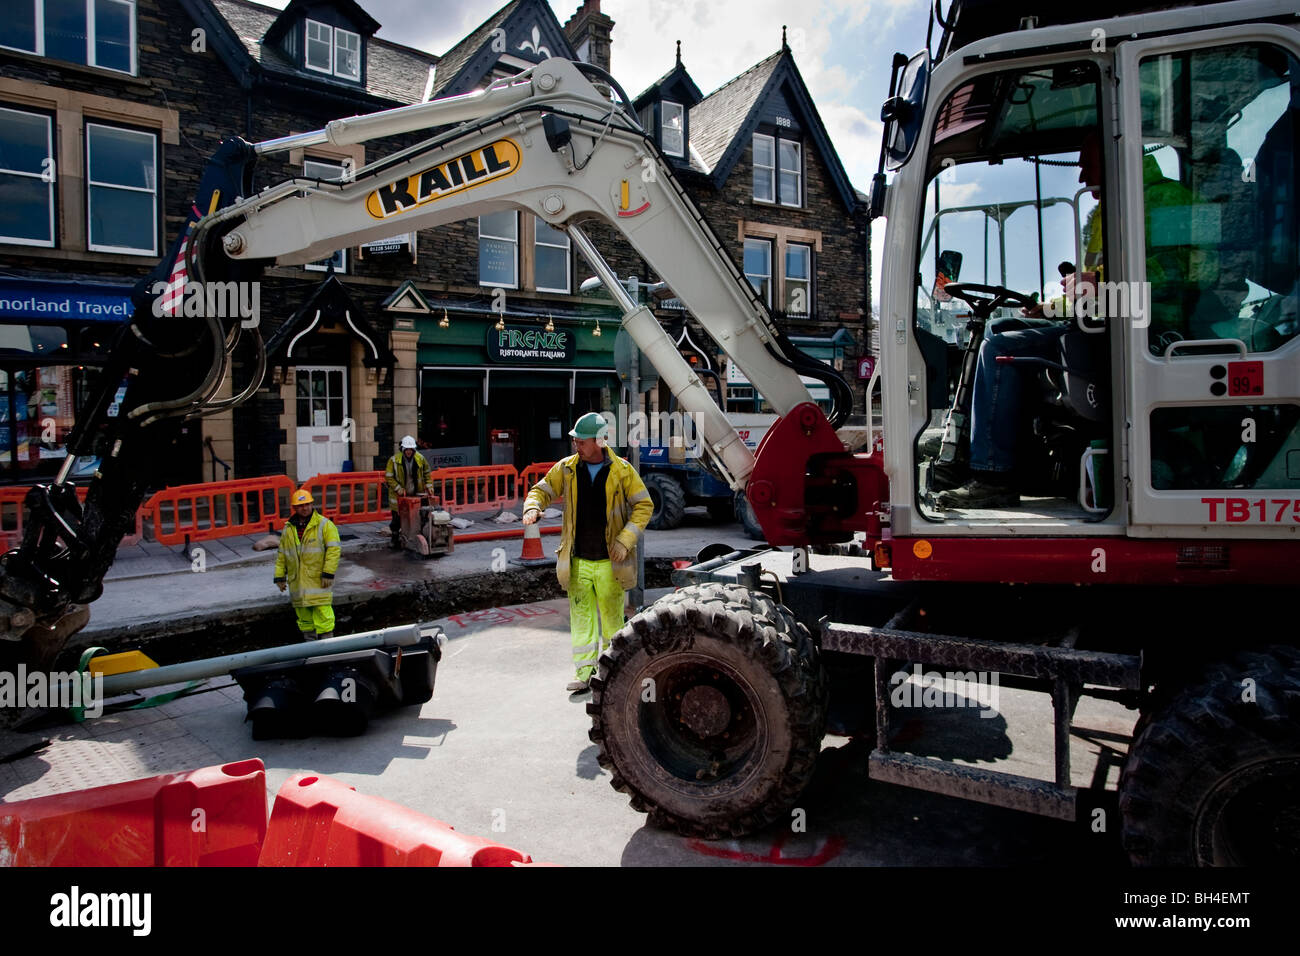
(673, 135)
(333, 50)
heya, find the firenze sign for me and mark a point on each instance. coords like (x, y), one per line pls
(529, 345)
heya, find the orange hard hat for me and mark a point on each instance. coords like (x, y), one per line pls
(301, 497)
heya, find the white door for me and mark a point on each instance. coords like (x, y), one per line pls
(322, 399)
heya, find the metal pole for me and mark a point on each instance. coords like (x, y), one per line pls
(401, 636)
(638, 593)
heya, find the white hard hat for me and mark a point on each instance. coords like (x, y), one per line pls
(408, 442)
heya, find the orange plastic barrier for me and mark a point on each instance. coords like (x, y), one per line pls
(350, 496)
(476, 488)
(532, 475)
(318, 821)
(12, 512)
(219, 509)
(215, 816)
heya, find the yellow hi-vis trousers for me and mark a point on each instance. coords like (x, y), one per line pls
(595, 611)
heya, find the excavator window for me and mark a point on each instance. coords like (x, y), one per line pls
(1013, 203)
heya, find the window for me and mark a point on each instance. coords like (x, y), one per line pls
(764, 168)
(94, 32)
(121, 190)
(333, 50)
(26, 180)
(673, 135)
(323, 169)
(1220, 257)
(552, 259)
(791, 173)
(320, 398)
(498, 250)
(758, 267)
(798, 280)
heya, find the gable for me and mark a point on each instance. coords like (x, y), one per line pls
(524, 30)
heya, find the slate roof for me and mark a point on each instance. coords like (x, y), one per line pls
(454, 59)
(717, 118)
(393, 72)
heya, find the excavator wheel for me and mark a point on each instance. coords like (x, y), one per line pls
(1213, 774)
(669, 501)
(708, 711)
(748, 520)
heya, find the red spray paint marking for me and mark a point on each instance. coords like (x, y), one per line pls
(827, 852)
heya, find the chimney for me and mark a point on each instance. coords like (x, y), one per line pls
(593, 28)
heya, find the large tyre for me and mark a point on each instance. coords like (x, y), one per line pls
(722, 510)
(708, 711)
(748, 520)
(1213, 775)
(669, 501)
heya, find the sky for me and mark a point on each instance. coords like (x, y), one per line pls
(843, 49)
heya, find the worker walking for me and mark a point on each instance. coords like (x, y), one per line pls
(606, 510)
(407, 475)
(307, 562)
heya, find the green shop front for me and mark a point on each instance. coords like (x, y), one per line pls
(505, 387)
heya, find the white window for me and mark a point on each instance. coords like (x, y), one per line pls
(27, 174)
(323, 169)
(552, 259)
(94, 32)
(758, 267)
(674, 120)
(764, 168)
(347, 54)
(791, 172)
(332, 50)
(498, 250)
(798, 280)
(122, 190)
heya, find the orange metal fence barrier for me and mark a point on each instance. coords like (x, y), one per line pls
(476, 488)
(219, 509)
(350, 496)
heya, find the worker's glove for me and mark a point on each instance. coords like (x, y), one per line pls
(618, 552)
(327, 580)
(531, 516)
(280, 585)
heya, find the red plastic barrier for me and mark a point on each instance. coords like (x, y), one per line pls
(351, 496)
(219, 509)
(532, 475)
(318, 821)
(476, 488)
(12, 512)
(215, 816)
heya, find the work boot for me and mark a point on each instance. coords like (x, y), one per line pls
(324, 636)
(396, 544)
(306, 635)
(978, 493)
(577, 686)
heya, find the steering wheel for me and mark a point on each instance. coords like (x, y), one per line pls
(983, 299)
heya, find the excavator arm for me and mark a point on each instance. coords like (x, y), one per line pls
(547, 142)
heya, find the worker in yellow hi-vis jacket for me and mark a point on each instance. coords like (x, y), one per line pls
(606, 510)
(307, 562)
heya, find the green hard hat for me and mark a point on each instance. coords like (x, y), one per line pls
(590, 425)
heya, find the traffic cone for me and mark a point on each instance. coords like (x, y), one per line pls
(532, 556)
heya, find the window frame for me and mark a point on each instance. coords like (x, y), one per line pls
(798, 173)
(514, 241)
(568, 258)
(49, 139)
(323, 265)
(771, 169)
(807, 282)
(91, 246)
(663, 127)
(771, 252)
(339, 31)
(39, 37)
(307, 38)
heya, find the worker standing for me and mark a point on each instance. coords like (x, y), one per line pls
(407, 475)
(606, 510)
(307, 562)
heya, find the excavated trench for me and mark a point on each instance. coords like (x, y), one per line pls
(256, 628)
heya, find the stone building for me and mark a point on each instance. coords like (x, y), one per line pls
(105, 128)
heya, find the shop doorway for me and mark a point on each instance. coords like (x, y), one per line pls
(322, 399)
